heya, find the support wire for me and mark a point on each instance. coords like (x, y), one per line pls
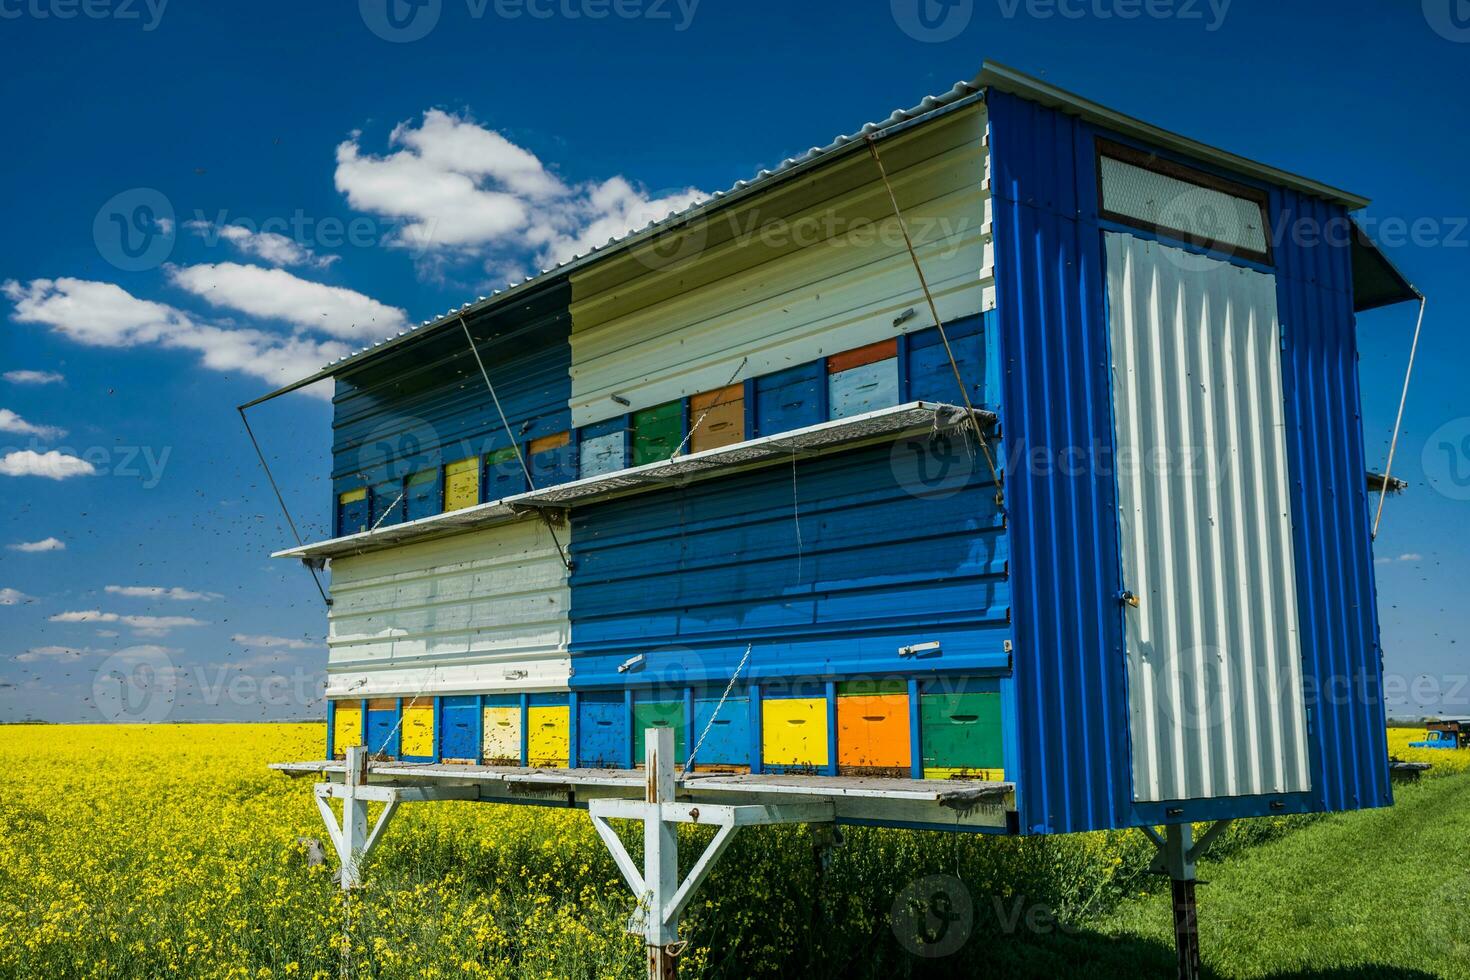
(970, 418)
(689, 763)
(514, 442)
(282, 501)
(715, 404)
(1393, 443)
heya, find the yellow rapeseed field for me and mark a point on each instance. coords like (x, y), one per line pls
(171, 850)
(1444, 760)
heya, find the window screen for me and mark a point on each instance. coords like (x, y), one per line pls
(1166, 197)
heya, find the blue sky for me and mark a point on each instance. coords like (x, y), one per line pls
(311, 176)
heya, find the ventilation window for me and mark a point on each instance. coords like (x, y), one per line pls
(1161, 196)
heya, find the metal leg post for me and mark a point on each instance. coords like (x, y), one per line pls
(1178, 857)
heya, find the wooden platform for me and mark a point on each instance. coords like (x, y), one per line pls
(938, 803)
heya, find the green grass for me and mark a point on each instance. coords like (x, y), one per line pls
(1378, 893)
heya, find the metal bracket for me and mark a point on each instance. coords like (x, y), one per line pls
(1177, 852)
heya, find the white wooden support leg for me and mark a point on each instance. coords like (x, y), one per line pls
(660, 854)
(351, 838)
(661, 895)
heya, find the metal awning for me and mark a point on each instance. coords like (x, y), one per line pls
(885, 423)
(1376, 280)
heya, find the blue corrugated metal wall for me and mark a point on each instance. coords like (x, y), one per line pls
(425, 403)
(1334, 560)
(689, 576)
(1074, 769)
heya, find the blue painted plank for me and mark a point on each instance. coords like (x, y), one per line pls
(382, 732)
(728, 739)
(388, 503)
(603, 447)
(790, 399)
(689, 577)
(930, 375)
(863, 389)
(555, 466)
(458, 727)
(425, 493)
(602, 729)
(354, 517)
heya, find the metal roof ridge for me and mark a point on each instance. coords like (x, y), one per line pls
(1004, 78)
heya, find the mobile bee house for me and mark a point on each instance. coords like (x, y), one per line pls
(996, 468)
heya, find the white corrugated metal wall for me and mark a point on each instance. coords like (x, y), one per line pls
(813, 267)
(479, 612)
(1214, 661)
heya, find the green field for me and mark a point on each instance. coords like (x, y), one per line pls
(196, 871)
(1380, 893)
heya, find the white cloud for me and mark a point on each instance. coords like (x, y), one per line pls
(13, 597)
(54, 653)
(53, 465)
(98, 314)
(269, 642)
(145, 651)
(1411, 556)
(278, 295)
(107, 634)
(35, 547)
(467, 190)
(142, 625)
(11, 422)
(1407, 556)
(268, 246)
(34, 377)
(101, 314)
(161, 592)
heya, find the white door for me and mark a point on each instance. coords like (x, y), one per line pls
(1214, 660)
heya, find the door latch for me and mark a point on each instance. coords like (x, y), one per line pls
(1128, 598)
